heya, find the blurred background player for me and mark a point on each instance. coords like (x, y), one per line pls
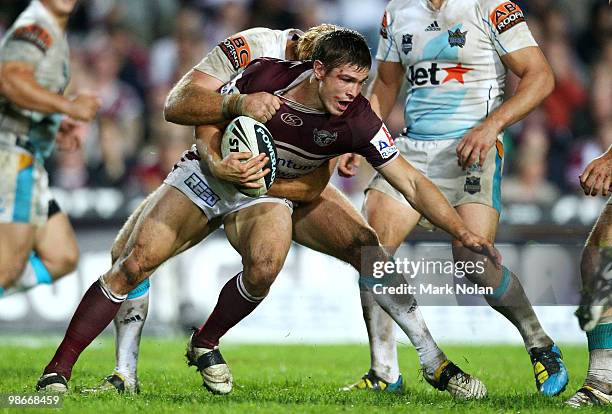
(595, 312)
(183, 106)
(34, 71)
(454, 55)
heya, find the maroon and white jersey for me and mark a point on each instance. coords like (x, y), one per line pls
(307, 138)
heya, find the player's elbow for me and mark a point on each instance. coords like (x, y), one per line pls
(9, 86)
(170, 110)
(547, 83)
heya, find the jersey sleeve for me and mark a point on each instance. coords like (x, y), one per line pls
(228, 58)
(387, 46)
(28, 44)
(372, 139)
(506, 25)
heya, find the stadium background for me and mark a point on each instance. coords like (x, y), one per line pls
(132, 52)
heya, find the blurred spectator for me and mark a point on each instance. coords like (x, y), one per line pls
(584, 151)
(602, 84)
(274, 14)
(529, 183)
(171, 57)
(590, 42)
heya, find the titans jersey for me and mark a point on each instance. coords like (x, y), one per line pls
(232, 56)
(37, 39)
(306, 138)
(455, 77)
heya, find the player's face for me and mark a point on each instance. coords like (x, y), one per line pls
(60, 7)
(340, 86)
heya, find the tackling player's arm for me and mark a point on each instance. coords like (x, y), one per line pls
(536, 83)
(19, 86)
(383, 93)
(597, 176)
(305, 188)
(194, 100)
(426, 198)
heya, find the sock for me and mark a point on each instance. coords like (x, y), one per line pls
(234, 304)
(381, 335)
(129, 321)
(402, 307)
(510, 300)
(97, 308)
(35, 273)
(599, 375)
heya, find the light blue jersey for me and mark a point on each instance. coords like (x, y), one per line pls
(455, 77)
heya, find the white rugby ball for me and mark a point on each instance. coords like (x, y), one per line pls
(245, 134)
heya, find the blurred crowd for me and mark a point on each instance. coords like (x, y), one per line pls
(131, 53)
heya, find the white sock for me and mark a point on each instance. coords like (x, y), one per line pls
(128, 325)
(405, 312)
(599, 374)
(381, 335)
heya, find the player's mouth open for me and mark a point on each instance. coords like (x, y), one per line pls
(342, 105)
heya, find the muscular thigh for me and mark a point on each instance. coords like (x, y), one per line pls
(331, 225)
(167, 222)
(480, 219)
(260, 232)
(391, 219)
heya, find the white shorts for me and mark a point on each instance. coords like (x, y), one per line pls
(214, 197)
(437, 160)
(24, 187)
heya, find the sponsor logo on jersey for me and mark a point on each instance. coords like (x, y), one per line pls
(434, 27)
(237, 51)
(456, 38)
(34, 34)
(429, 76)
(263, 137)
(292, 119)
(383, 27)
(202, 190)
(407, 43)
(383, 142)
(506, 16)
(324, 138)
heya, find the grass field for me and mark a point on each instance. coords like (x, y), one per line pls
(279, 379)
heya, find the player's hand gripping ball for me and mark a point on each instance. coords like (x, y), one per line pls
(245, 134)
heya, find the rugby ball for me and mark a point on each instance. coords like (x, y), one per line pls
(245, 134)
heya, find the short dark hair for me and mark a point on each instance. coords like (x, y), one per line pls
(341, 47)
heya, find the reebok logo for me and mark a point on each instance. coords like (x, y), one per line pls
(434, 27)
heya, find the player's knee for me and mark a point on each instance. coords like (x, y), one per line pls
(365, 241)
(260, 273)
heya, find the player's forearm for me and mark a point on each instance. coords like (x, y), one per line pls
(429, 201)
(189, 104)
(208, 143)
(306, 188)
(382, 97)
(533, 88)
(26, 93)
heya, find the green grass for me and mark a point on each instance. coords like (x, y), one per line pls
(279, 379)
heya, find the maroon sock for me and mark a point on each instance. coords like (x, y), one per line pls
(93, 314)
(234, 304)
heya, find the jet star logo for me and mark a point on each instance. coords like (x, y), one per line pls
(424, 76)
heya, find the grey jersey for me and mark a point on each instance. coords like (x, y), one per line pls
(37, 39)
